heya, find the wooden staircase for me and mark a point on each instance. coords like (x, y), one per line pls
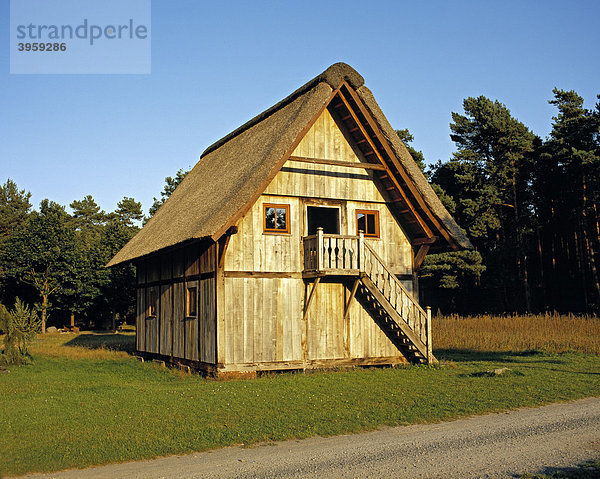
(376, 287)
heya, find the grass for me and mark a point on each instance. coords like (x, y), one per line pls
(86, 401)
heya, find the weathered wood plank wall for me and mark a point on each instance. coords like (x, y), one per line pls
(264, 292)
(170, 332)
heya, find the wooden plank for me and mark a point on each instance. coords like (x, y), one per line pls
(280, 317)
(166, 266)
(152, 321)
(153, 269)
(257, 315)
(310, 297)
(166, 328)
(262, 274)
(178, 320)
(304, 327)
(248, 319)
(140, 329)
(271, 323)
(191, 327)
(313, 364)
(219, 308)
(207, 320)
(351, 298)
(235, 289)
(346, 164)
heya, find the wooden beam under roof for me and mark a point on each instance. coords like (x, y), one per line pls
(422, 241)
(349, 164)
(420, 256)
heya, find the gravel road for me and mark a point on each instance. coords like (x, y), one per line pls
(493, 445)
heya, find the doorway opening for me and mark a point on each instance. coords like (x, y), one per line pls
(323, 217)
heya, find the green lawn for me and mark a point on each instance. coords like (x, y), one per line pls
(70, 412)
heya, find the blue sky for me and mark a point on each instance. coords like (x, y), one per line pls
(217, 64)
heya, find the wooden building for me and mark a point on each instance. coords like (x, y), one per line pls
(293, 243)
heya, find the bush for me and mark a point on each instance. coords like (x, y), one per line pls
(20, 326)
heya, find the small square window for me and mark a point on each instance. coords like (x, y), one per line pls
(367, 221)
(191, 301)
(277, 218)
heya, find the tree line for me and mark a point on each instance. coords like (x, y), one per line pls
(55, 260)
(530, 206)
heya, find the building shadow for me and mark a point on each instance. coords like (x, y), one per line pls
(468, 355)
(586, 470)
(98, 340)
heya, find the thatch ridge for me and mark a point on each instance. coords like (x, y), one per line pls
(413, 170)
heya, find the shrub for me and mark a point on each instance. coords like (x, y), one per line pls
(20, 326)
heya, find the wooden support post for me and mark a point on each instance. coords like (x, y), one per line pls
(319, 250)
(72, 319)
(352, 294)
(429, 345)
(361, 251)
(423, 249)
(310, 297)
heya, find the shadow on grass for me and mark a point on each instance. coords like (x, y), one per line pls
(464, 355)
(113, 341)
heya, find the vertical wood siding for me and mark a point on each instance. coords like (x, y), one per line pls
(171, 333)
(263, 315)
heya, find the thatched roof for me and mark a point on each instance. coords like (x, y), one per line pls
(235, 170)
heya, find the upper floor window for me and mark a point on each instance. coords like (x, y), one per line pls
(367, 221)
(276, 218)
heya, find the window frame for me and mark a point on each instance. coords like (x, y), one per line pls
(194, 312)
(375, 213)
(276, 230)
(152, 307)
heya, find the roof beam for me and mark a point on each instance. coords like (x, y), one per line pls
(422, 241)
(323, 161)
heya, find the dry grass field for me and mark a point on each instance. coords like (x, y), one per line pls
(552, 333)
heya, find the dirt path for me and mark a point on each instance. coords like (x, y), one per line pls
(493, 445)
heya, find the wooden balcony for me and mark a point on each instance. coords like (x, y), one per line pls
(328, 254)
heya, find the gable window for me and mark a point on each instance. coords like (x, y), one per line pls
(191, 295)
(367, 221)
(152, 302)
(276, 218)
